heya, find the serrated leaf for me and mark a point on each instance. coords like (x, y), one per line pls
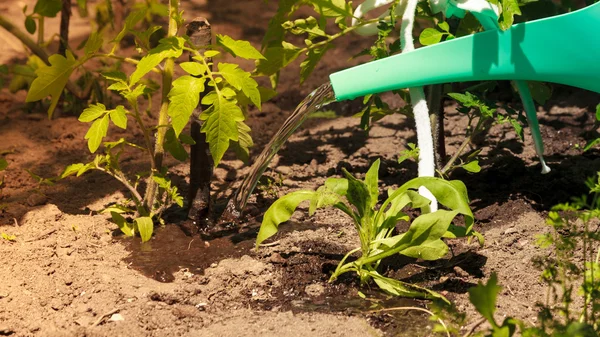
(92, 113)
(30, 24)
(167, 48)
(430, 36)
(510, 8)
(119, 117)
(241, 80)
(184, 98)
(93, 44)
(332, 8)
(51, 80)
(244, 143)
(71, 170)
(96, 133)
(236, 48)
(48, 8)
(277, 58)
(483, 297)
(132, 19)
(124, 226)
(313, 57)
(174, 147)
(145, 227)
(220, 126)
(118, 86)
(117, 76)
(194, 68)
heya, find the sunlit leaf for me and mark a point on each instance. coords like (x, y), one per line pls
(483, 297)
(92, 113)
(51, 80)
(119, 117)
(167, 48)
(242, 49)
(241, 80)
(220, 126)
(96, 133)
(124, 226)
(184, 98)
(145, 227)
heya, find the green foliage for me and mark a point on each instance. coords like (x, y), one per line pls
(375, 225)
(8, 237)
(411, 153)
(51, 80)
(431, 36)
(3, 164)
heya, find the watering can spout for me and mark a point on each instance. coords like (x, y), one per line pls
(548, 50)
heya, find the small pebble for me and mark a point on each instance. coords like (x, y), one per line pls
(116, 318)
(36, 199)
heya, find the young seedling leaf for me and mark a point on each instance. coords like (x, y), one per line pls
(145, 227)
(431, 36)
(242, 49)
(483, 297)
(51, 80)
(167, 48)
(241, 80)
(472, 166)
(372, 182)
(30, 24)
(174, 147)
(280, 212)
(71, 170)
(194, 68)
(92, 113)
(359, 194)
(48, 8)
(119, 117)
(184, 97)
(96, 133)
(124, 226)
(93, 44)
(220, 126)
(3, 164)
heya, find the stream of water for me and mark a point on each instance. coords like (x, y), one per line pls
(320, 97)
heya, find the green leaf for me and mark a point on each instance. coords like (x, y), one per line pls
(145, 227)
(51, 80)
(372, 182)
(236, 48)
(3, 164)
(540, 92)
(399, 288)
(483, 297)
(598, 112)
(165, 184)
(211, 53)
(472, 166)
(510, 8)
(241, 80)
(96, 132)
(119, 117)
(244, 143)
(124, 226)
(277, 58)
(30, 24)
(431, 36)
(71, 170)
(93, 44)
(174, 147)
(332, 8)
(167, 48)
(359, 194)
(184, 98)
(220, 126)
(92, 113)
(194, 68)
(313, 57)
(132, 19)
(48, 8)
(281, 211)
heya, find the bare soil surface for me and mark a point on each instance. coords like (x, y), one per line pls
(70, 272)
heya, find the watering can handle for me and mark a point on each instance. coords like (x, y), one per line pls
(545, 50)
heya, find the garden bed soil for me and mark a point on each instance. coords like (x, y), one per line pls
(70, 272)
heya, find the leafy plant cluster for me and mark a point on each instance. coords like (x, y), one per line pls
(227, 90)
(572, 304)
(376, 225)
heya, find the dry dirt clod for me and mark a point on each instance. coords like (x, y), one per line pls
(6, 331)
(116, 318)
(314, 289)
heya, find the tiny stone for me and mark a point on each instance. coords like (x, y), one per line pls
(314, 289)
(276, 258)
(460, 272)
(285, 170)
(36, 199)
(510, 230)
(314, 166)
(443, 279)
(116, 318)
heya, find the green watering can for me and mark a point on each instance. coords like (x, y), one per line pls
(548, 50)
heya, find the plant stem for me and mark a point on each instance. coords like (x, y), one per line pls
(462, 147)
(41, 31)
(147, 140)
(163, 117)
(121, 178)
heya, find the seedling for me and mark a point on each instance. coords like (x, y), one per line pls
(375, 225)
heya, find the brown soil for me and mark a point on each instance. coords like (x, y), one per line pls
(70, 272)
